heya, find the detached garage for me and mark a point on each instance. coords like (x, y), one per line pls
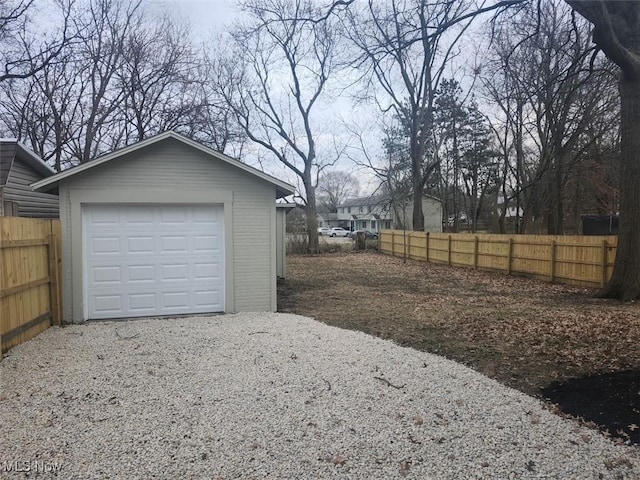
(167, 227)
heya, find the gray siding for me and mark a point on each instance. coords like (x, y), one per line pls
(432, 210)
(281, 242)
(30, 203)
(169, 172)
(7, 154)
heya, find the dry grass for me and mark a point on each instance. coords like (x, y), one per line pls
(524, 333)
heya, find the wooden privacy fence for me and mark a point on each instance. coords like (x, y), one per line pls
(30, 294)
(576, 260)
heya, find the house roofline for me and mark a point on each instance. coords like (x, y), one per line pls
(31, 157)
(287, 207)
(377, 200)
(283, 189)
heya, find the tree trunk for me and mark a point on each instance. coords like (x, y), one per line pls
(518, 225)
(417, 184)
(312, 219)
(625, 281)
(418, 216)
(554, 207)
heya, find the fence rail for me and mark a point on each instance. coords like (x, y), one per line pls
(576, 260)
(30, 291)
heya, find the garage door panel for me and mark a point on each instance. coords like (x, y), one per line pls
(142, 302)
(141, 273)
(173, 215)
(208, 298)
(106, 275)
(173, 243)
(205, 244)
(175, 299)
(206, 216)
(153, 260)
(107, 304)
(103, 219)
(105, 245)
(137, 245)
(205, 271)
(179, 271)
(137, 216)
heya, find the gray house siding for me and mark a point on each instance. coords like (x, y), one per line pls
(7, 154)
(18, 190)
(431, 209)
(281, 244)
(171, 172)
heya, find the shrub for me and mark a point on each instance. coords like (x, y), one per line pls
(298, 243)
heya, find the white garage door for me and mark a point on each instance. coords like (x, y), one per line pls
(147, 260)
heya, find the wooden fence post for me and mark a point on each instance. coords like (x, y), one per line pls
(393, 243)
(426, 246)
(552, 259)
(475, 252)
(54, 298)
(509, 256)
(603, 282)
(449, 251)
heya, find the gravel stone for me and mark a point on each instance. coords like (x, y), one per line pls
(265, 396)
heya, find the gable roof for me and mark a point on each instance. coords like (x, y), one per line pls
(373, 200)
(283, 189)
(10, 149)
(376, 200)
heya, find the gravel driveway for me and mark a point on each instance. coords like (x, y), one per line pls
(273, 396)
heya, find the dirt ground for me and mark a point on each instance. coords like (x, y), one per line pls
(548, 340)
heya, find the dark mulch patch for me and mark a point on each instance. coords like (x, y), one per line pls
(530, 335)
(609, 400)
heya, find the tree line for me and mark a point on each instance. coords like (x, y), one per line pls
(506, 110)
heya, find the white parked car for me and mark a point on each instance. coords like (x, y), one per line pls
(324, 231)
(339, 232)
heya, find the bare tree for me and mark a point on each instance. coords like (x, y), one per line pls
(213, 122)
(157, 79)
(54, 109)
(276, 73)
(334, 187)
(565, 95)
(503, 90)
(23, 52)
(104, 26)
(551, 91)
(405, 47)
(130, 75)
(617, 33)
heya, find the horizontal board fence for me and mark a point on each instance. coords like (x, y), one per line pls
(30, 291)
(575, 260)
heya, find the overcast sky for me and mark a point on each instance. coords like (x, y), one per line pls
(211, 17)
(205, 16)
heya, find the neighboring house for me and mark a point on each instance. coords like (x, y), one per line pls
(512, 211)
(431, 209)
(164, 227)
(19, 167)
(330, 220)
(365, 213)
(376, 213)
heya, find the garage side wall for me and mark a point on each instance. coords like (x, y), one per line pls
(171, 172)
